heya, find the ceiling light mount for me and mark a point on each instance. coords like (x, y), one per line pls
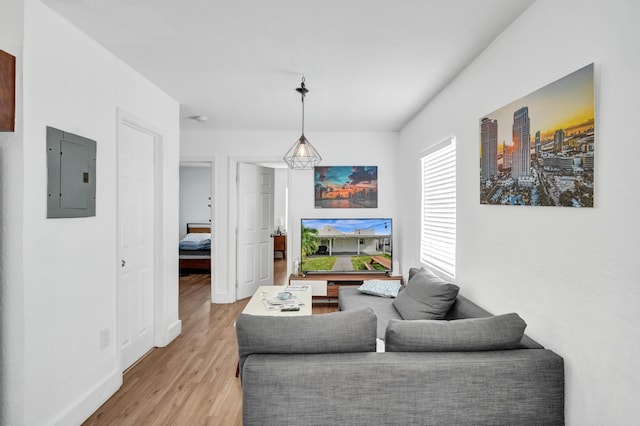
(302, 89)
(302, 155)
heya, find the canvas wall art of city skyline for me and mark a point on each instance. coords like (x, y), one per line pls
(539, 150)
(346, 186)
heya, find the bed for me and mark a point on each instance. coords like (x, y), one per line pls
(195, 249)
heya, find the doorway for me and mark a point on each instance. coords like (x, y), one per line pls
(195, 194)
(196, 207)
(277, 221)
(281, 219)
(255, 228)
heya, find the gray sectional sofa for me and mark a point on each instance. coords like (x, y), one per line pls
(476, 369)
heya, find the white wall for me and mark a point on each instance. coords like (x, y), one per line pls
(337, 149)
(570, 273)
(195, 190)
(280, 185)
(11, 189)
(66, 268)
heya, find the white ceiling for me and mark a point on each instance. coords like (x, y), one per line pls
(370, 65)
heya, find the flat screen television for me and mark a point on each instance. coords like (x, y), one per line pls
(346, 246)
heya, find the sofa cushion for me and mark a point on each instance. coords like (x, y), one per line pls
(350, 298)
(426, 296)
(337, 332)
(381, 288)
(475, 334)
(465, 308)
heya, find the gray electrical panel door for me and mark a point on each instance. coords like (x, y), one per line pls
(71, 169)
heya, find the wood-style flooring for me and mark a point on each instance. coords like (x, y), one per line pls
(192, 380)
(280, 272)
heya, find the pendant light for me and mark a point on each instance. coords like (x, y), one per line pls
(302, 155)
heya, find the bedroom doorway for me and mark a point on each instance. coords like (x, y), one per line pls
(195, 216)
(196, 198)
(196, 207)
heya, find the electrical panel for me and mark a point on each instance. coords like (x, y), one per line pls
(71, 170)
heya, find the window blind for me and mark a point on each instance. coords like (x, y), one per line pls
(438, 224)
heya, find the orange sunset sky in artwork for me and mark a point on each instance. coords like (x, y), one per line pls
(342, 182)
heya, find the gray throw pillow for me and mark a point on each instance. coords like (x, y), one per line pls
(425, 296)
(474, 334)
(413, 271)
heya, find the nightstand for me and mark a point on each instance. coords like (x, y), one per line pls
(280, 244)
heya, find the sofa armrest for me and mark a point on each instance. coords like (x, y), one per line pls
(503, 387)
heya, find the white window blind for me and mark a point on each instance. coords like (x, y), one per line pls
(438, 225)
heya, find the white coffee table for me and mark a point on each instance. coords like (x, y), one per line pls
(257, 307)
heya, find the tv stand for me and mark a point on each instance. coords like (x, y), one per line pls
(325, 287)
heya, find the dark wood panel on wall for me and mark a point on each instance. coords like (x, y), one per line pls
(7, 92)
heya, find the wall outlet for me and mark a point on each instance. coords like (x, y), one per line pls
(104, 338)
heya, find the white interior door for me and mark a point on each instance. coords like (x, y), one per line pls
(255, 226)
(135, 243)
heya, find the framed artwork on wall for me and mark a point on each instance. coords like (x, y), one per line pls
(7, 92)
(539, 150)
(346, 187)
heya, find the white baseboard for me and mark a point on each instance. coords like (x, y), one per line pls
(223, 298)
(174, 331)
(91, 401)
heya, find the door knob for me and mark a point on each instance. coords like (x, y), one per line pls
(123, 263)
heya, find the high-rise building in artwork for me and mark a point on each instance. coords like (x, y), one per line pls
(521, 141)
(507, 155)
(489, 144)
(538, 143)
(558, 140)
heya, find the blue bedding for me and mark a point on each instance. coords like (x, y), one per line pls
(196, 242)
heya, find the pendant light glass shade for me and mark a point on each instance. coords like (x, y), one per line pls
(302, 155)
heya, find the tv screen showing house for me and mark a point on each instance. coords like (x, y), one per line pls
(346, 245)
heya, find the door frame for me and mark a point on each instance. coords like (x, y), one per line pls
(211, 161)
(233, 215)
(126, 119)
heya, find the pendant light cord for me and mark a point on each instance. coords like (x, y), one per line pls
(303, 90)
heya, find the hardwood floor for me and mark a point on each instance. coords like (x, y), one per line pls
(192, 380)
(280, 272)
